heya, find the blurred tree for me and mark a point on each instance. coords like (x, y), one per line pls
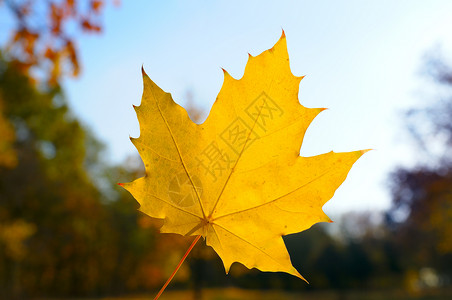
(421, 215)
(42, 44)
(372, 259)
(44, 33)
(49, 209)
(47, 192)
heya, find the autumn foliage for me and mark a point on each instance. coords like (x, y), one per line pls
(44, 34)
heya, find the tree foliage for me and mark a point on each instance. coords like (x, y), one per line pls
(44, 34)
(421, 216)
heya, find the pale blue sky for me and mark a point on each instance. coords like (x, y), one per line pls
(361, 60)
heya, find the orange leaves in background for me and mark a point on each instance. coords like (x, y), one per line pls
(44, 35)
(237, 179)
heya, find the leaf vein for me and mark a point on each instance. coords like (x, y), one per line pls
(236, 162)
(276, 199)
(152, 150)
(249, 243)
(180, 155)
(175, 206)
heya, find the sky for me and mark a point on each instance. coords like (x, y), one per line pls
(362, 60)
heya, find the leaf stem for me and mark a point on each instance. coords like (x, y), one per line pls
(178, 267)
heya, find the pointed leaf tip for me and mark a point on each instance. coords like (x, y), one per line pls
(120, 184)
(297, 274)
(225, 73)
(283, 34)
(143, 72)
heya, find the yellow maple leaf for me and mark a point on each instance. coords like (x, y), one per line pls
(237, 179)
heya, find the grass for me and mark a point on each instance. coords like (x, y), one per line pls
(240, 294)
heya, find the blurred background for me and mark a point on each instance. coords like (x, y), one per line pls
(70, 72)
